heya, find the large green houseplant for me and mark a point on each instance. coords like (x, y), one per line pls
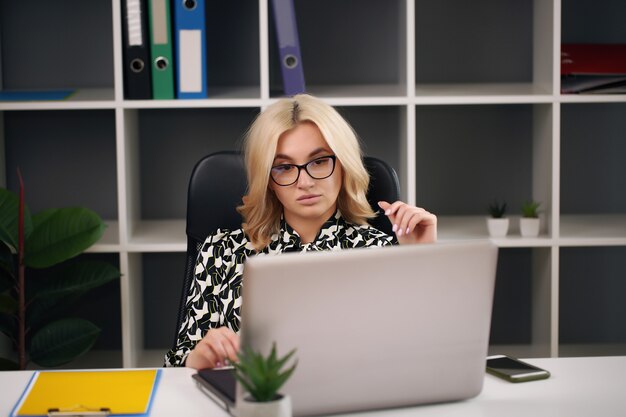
(32, 305)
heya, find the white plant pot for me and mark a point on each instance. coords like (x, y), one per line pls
(277, 408)
(529, 227)
(498, 227)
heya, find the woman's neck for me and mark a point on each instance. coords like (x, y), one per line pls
(308, 228)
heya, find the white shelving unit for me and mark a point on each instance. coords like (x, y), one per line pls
(462, 99)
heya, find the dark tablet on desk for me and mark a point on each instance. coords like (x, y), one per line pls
(218, 384)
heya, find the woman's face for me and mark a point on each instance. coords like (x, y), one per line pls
(307, 199)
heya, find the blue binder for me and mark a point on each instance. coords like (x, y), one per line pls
(288, 46)
(190, 47)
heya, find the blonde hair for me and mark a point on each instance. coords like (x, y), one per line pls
(261, 210)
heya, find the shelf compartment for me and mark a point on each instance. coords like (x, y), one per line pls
(593, 161)
(67, 158)
(593, 278)
(593, 230)
(102, 307)
(482, 93)
(518, 319)
(589, 21)
(163, 275)
(468, 156)
(155, 171)
(110, 240)
(380, 131)
(494, 43)
(511, 315)
(369, 51)
(233, 56)
(57, 45)
(368, 94)
(454, 228)
(80, 99)
(159, 236)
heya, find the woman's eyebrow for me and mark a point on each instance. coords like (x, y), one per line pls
(289, 158)
(282, 156)
(318, 151)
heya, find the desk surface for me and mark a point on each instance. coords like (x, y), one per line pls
(577, 387)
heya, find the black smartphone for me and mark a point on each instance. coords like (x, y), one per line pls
(514, 370)
(219, 384)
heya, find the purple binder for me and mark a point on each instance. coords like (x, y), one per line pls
(288, 46)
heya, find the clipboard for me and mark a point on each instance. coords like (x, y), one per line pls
(88, 393)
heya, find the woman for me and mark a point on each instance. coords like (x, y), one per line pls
(306, 191)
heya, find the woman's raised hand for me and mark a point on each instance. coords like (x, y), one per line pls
(411, 224)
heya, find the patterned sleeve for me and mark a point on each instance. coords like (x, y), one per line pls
(204, 308)
(367, 237)
(378, 238)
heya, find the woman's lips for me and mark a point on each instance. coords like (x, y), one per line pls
(309, 199)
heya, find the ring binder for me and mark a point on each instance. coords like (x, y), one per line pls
(190, 48)
(161, 45)
(288, 47)
(137, 83)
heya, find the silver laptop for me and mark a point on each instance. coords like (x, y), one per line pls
(373, 328)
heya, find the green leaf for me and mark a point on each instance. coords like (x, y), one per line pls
(47, 309)
(62, 341)
(7, 269)
(79, 277)
(530, 209)
(6, 281)
(8, 325)
(8, 365)
(9, 214)
(68, 286)
(261, 376)
(8, 304)
(61, 234)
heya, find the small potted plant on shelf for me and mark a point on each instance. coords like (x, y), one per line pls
(497, 224)
(262, 377)
(529, 223)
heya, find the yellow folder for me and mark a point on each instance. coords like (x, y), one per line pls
(115, 392)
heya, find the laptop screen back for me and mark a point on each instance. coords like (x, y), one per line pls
(377, 327)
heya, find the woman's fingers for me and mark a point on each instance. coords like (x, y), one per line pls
(407, 220)
(214, 350)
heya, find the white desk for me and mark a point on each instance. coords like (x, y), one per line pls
(578, 387)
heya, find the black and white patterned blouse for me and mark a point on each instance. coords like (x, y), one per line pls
(214, 298)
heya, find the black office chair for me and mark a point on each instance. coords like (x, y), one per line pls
(217, 183)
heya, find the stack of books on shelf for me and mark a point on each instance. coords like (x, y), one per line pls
(593, 68)
(165, 48)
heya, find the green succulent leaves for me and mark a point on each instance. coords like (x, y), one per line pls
(263, 376)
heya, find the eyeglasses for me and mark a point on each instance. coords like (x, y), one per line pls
(319, 168)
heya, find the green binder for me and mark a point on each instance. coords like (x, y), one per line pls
(161, 49)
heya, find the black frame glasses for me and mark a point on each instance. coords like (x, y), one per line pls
(307, 167)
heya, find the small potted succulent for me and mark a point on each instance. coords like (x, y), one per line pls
(529, 223)
(262, 377)
(497, 223)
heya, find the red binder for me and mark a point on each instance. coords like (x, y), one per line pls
(593, 59)
(593, 68)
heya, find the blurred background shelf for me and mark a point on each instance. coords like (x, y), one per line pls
(461, 98)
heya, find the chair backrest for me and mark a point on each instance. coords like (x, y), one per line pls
(217, 183)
